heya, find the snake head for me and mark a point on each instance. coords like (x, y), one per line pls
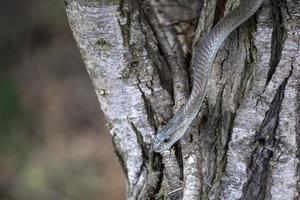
(158, 142)
(166, 137)
(172, 131)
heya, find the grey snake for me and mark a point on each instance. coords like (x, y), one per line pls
(204, 55)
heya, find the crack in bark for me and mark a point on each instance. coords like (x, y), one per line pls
(152, 164)
(278, 38)
(297, 124)
(210, 140)
(220, 10)
(249, 65)
(141, 142)
(124, 10)
(145, 156)
(298, 141)
(160, 64)
(173, 54)
(226, 125)
(257, 186)
(223, 62)
(149, 110)
(161, 68)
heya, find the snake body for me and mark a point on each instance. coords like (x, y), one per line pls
(202, 65)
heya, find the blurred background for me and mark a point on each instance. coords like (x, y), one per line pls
(53, 140)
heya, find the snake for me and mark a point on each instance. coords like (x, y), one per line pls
(202, 61)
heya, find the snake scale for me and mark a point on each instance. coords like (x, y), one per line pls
(204, 55)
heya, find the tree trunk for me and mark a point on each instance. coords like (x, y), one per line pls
(244, 143)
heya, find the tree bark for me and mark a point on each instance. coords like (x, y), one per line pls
(244, 143)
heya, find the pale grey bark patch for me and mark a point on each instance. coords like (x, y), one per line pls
(245, 141)
(286, 160)
(121, 69)
(249, 158)
(249, 115)
(105, 65)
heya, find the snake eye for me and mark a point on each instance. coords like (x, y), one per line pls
(167, 139)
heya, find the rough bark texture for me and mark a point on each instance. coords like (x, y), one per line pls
(245, 142)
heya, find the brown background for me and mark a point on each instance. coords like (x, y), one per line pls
(53, 139)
